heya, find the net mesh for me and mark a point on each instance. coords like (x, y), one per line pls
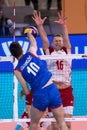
(8, 97)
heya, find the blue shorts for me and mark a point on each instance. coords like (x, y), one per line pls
(48, 96)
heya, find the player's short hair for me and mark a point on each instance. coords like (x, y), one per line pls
(57, 35)
(15, 49)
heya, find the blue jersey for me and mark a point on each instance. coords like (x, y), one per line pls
(34, 70)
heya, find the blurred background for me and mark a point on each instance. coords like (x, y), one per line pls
(74, 10)
(16, 14)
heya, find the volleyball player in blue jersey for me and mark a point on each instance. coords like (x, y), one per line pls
(31, 69)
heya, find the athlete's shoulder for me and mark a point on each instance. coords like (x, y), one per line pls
(64, 49)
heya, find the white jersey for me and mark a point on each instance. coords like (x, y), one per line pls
(61, 68)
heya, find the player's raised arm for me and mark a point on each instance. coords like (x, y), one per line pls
(62, 20)
(39, 22)
(31, 33)
(33, 43)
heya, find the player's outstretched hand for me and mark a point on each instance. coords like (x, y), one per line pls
(61, 19)
(37, 18)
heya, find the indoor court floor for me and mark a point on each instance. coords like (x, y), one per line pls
(75, 126)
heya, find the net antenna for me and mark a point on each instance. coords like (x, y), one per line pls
(14, 19)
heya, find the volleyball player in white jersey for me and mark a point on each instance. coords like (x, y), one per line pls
(61, 69)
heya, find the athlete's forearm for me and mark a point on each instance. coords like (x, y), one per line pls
(66, 36)
(44, 37)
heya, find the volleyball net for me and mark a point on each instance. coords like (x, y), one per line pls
(11, 106)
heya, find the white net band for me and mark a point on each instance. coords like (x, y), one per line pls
(44, 119)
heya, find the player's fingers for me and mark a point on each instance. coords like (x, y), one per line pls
(39, 13)
(44, 19)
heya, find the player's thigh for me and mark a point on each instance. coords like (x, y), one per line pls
(58, 114)
(35, 114)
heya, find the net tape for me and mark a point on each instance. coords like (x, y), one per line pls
(82, 118)
(45, 57)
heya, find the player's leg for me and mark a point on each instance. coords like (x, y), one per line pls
(68, 123)
(35, 115)
(25, 114)
(68, 112)
(59, 116)
(53, 125)
(23, 125)
(68, 103)
(46, 125)
(38, 108)
(56, 107)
